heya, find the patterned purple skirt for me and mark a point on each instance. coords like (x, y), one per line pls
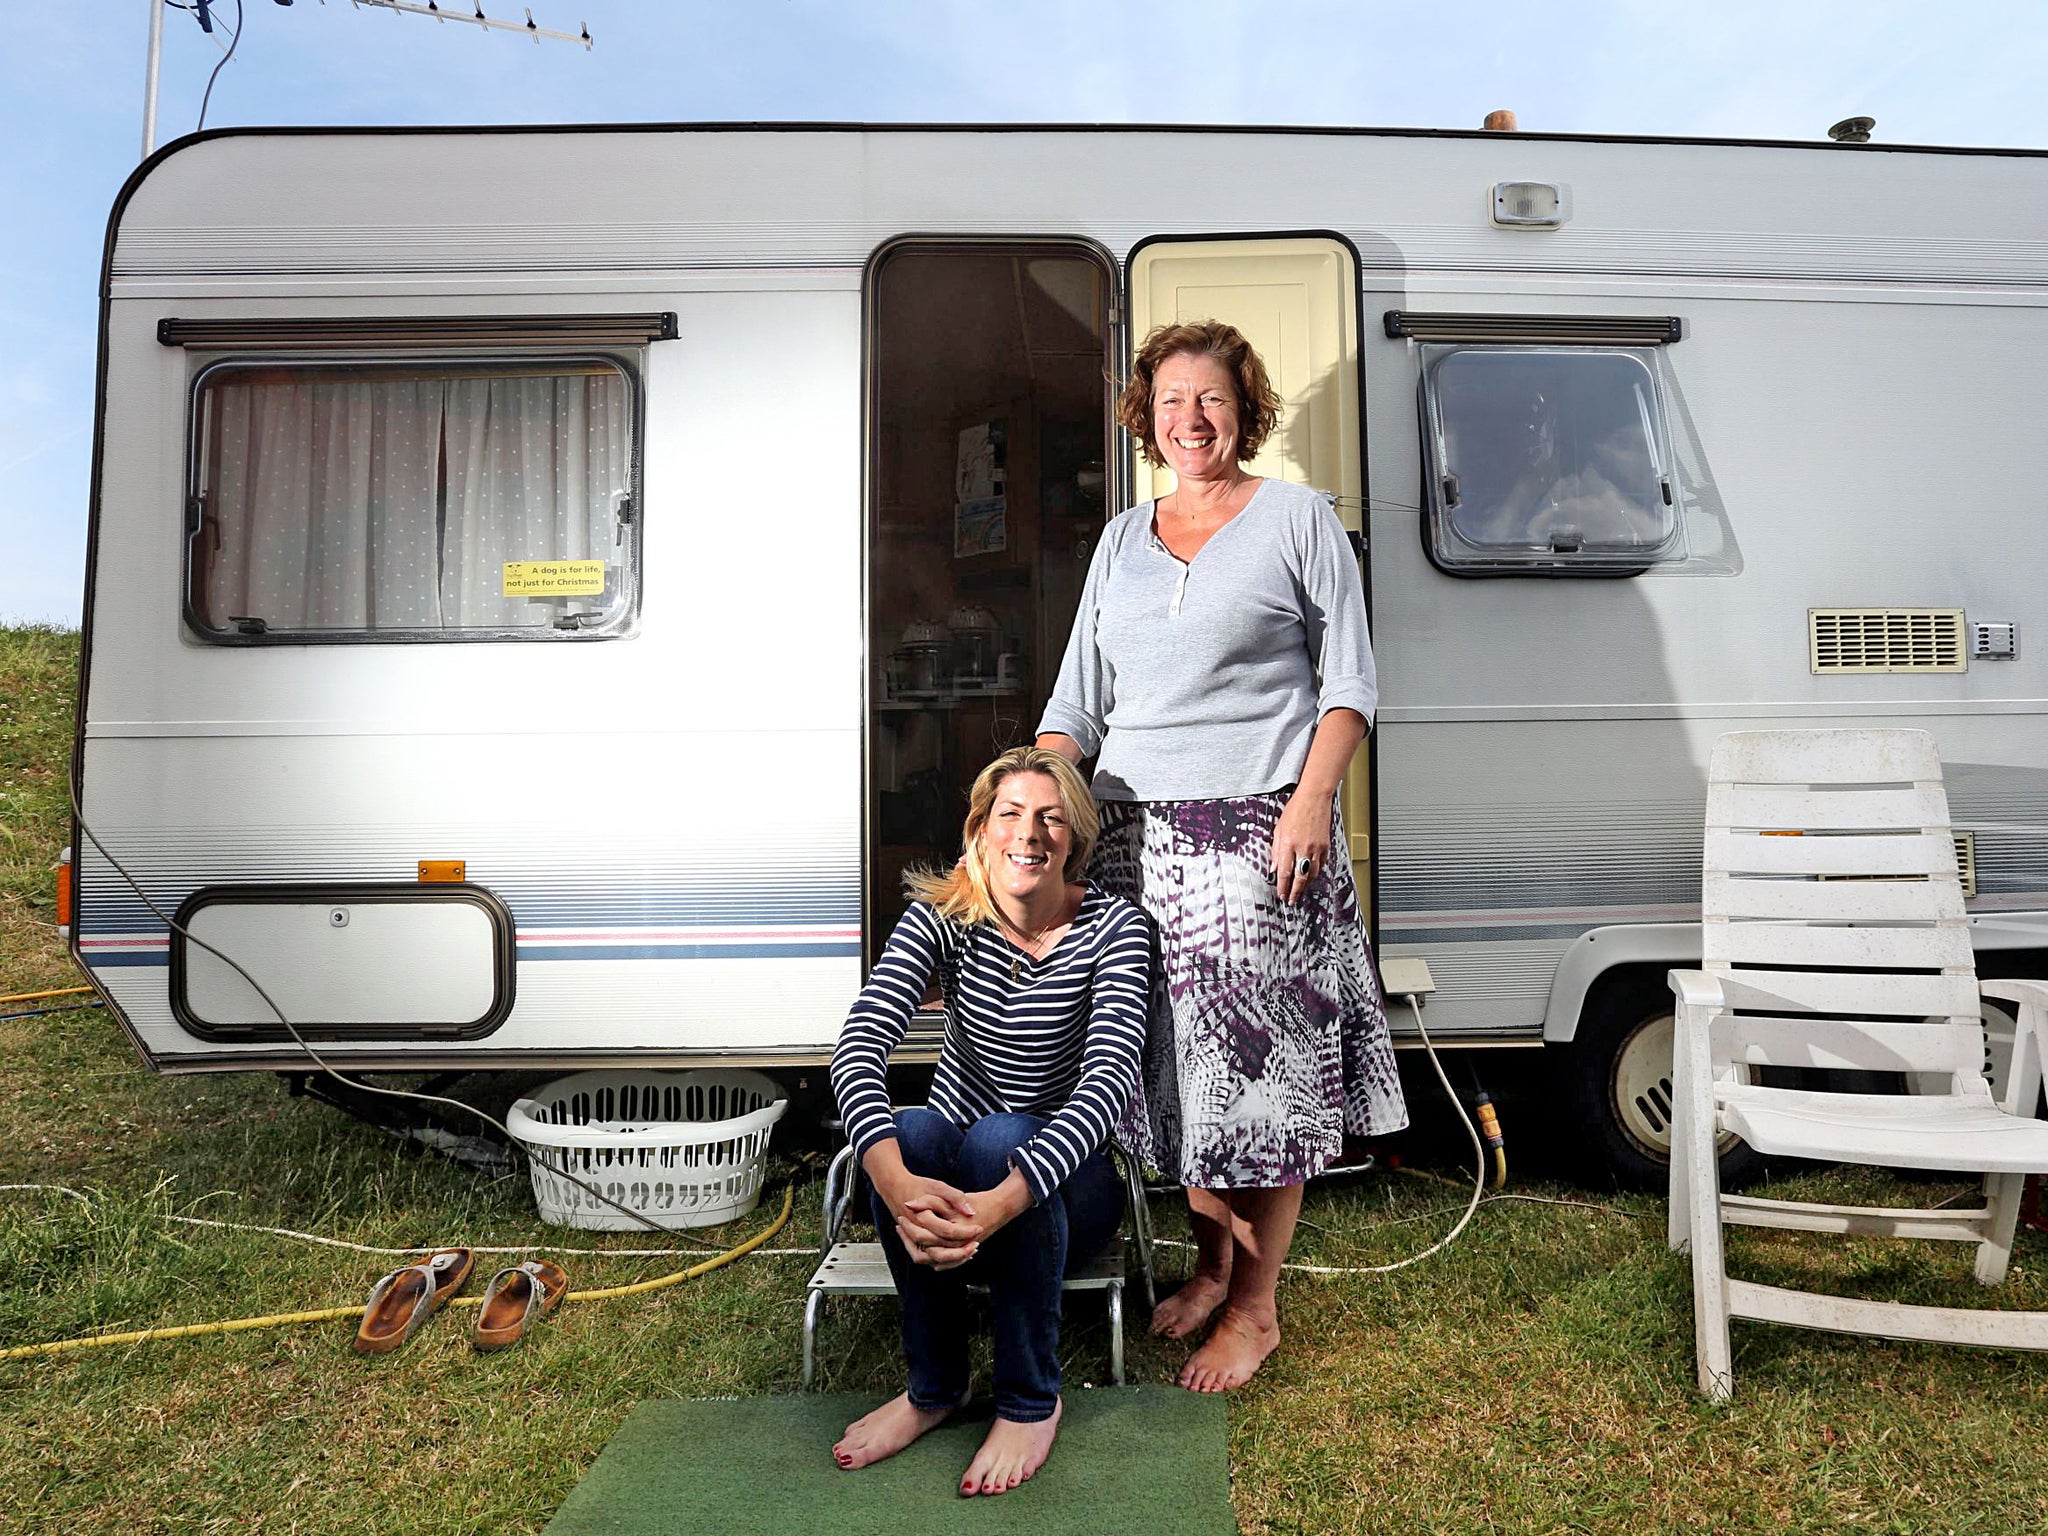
(1268, 1037)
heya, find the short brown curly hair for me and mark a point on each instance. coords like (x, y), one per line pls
(1258, 403)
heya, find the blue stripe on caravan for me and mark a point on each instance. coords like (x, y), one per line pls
(846, 948)
(113, 918)
(101, 962)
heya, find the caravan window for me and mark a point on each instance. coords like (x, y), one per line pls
(412, 501)
(1546, 460)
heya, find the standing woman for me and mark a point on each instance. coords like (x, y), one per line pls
(1221, 674)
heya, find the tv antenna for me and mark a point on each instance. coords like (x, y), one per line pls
(471, 14)
(475, 16)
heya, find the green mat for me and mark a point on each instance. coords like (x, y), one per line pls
(1129, 1460)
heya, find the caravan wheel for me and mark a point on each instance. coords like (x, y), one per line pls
(1618, 1082)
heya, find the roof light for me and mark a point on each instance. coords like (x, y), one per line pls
(1528, 204)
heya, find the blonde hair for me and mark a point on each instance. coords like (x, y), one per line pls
(1258, 403)
(961, 894)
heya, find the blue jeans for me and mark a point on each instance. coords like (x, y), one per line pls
(1021, 1265)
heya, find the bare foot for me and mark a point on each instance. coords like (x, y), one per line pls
(1236, 1348)
(1192, 1305)
(1010, 1454)
(886, 1431)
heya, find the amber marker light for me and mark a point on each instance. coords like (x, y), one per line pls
(442, 871)
(64, 894)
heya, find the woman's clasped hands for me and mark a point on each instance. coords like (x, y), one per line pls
(945, 1227)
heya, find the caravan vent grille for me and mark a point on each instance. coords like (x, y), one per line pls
(1966, 861)
(1887, 639)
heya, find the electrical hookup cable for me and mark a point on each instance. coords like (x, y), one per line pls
(1479, 1155)
(320, 1061)
(1480, 1160)
(1478, 1151)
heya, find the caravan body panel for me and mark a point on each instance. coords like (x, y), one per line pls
(674, 816)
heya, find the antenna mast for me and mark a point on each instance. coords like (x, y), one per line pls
(474, 17)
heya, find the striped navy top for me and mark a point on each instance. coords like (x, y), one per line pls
(1059, 1037)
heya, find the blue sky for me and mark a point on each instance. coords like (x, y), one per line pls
(71, 74)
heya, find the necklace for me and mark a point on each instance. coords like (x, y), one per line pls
(1172, 504)
(1029, 942)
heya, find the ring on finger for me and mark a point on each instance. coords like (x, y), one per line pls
(1304, 865)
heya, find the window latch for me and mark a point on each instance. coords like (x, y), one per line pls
(1450, 489)
(578, 620)
(246, 624)
(195, 513)
(1666, 484)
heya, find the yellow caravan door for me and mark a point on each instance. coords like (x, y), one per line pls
(1296, 300)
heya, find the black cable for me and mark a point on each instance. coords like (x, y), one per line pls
(37, 1013)
(321, 1062)
(233, 42)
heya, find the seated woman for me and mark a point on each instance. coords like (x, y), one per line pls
(1001, 1179)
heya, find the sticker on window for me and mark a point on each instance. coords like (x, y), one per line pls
(346, 498)
(554, 578)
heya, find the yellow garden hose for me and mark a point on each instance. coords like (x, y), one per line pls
(612, 1291)
(328, 1314)
(29, 997)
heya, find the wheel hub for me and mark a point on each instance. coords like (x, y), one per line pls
(1640, 1089)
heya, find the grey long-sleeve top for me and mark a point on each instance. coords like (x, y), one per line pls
(1205, 681)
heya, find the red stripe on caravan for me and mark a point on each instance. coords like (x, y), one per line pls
(642, 935)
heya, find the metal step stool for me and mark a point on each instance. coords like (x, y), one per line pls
(859, 1269)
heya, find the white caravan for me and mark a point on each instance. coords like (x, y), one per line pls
(545, 585)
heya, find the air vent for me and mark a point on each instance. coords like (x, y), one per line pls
(247, 333)
(1551, 330)
(1887, 639)
(1966, 861)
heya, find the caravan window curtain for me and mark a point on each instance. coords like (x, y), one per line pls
(411, 502)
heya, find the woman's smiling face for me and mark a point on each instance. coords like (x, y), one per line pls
(1026, 840)
(1195, 416)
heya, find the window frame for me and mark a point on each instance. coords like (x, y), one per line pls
(1431, 355)
(625, 619)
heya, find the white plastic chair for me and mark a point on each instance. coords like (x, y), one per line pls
(860, 1269)
(1834, 936)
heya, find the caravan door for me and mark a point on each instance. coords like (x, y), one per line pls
(1295, 298)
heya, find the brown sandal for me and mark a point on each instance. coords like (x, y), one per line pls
(514, 1298)
(406, 1298)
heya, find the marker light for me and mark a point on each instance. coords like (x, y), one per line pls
(442, 871)
(1528, 204)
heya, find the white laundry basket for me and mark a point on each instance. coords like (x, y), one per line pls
(684, 1149)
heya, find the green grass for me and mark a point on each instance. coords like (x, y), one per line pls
(1536, 1377)
(38, 678)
